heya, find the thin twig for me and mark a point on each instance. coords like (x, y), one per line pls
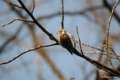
(79, 40)
(33, 6)
(26, 20)
(117, 56)
(62, 22)
(93, 48)
(107, 33)
(73, 41)
(26, 52)
(83, 43)
(93, 52)
(13, 4)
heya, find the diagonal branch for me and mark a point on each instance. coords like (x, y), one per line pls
(36, 22)
(26, 52)
(26, 20)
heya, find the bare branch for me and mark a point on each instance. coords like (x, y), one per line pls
(62, 22)
(107, 33)
(91, 46)
(93, 52)
(13, 4)
(26, 52)
(117, 56)
(33, 6)
(26, 20)
(79, 40)
(83, 43)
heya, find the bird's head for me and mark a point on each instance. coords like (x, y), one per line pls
(61, 32)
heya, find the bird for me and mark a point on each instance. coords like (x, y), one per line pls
(65, 41)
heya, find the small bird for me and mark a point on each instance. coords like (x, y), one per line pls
(65, 41)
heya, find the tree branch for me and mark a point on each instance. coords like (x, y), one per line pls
(62, 22)
(26, 52)
(36, 22)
